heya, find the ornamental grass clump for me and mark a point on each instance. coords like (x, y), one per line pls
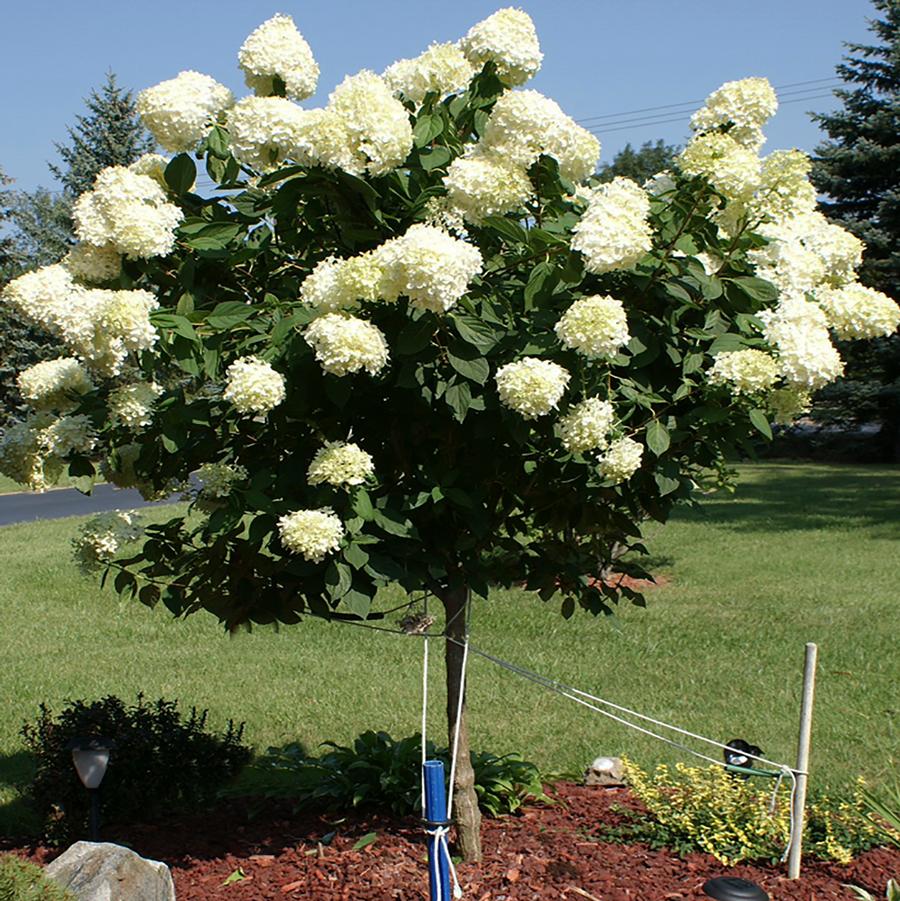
(426, 268)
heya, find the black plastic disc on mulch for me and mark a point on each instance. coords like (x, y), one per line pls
(729, 888)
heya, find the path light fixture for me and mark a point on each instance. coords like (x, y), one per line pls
(730, 888)
(91, 757)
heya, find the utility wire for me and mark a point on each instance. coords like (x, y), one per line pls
(665, 106)
(602, 129)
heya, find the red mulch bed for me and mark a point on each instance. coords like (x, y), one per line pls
(546, 852)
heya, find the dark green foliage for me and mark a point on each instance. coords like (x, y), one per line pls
(384, 774)
(858, 169)
(161, 762)
(21, 345)
(21, 880)
(42, 228)
(639, 164)
(111, 134)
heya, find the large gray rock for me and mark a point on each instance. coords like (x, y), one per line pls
(105, 872)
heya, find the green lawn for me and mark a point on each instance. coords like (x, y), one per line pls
(799, 553)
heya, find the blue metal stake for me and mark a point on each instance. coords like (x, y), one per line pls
(436, 815)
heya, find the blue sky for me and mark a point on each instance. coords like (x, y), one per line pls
(603, 58)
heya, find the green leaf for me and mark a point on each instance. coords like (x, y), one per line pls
(356, 556)
(468, 362)
(657, 436)
(665, 483)
(540, 283)
(362, 505)
(414, 337)
(761, 423)
(427, 128)
(237, 876)
(368, 839)
(212, 236)
(180, 325)
(727, 343)
(434, 159)
(228, 314)
(181, 173)
(758, 288)
(338, 579)
(394, 523)
(459, 398)
(218, 142)
(357, 603)
(508, 228)
(476, 331)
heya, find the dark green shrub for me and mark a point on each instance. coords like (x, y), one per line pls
(379, 772)
(21, 880)
(161, 762)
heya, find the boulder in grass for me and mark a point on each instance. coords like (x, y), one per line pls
(605, 771)
(106, 872)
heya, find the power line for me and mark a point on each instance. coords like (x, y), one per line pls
(603, 129)
(650, 109)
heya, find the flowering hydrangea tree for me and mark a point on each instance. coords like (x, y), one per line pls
(411, 340)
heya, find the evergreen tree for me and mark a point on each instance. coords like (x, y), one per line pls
(110, 134)
(858, 168)
(639, 164)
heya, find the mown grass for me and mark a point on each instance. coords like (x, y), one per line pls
(799, 553)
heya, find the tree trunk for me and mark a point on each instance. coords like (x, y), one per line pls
(465, 801)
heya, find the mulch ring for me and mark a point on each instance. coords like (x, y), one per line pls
(545, 852)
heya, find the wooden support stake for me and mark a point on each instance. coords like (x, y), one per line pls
(798, 811)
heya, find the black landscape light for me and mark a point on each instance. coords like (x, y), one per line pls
(730, 888)
(740, 755)
(91, 757)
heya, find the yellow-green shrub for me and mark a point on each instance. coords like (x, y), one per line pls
(706, 809)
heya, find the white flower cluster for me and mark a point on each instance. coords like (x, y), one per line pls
(377, 123)
(482, 184)
(346, 344)
(265, 131)
(430, 267)
(180, 112)
(33, 452)
(805, 252)
(216, 482)
(855, 311)
(595, 326)
(787, 403)
(93, 265)
(508, 39)
(101, 326)
(442, 69)
(54, 384)
(253, 386)
(745, 371)
(311, 533)
(798, 330)
(101, 538)
(587, 425)
(621, 460)
(744, 105)
(277, 50)
(525, 124)
(128, 212)
(614, 232)
(531, 387)
(131, 406)
(731, 168)
(427, 265)
(341, 465)
(784, 189)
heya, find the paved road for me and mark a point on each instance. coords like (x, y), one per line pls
(61, 502)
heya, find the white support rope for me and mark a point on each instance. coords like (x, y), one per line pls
(573, 695)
